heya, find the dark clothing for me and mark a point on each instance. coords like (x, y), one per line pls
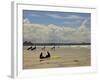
(47, 56)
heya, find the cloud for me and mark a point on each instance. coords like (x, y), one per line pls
(26, 20)
(56, 16)
(53, 33)
(74, 17)
(71, 22)
(35, 15)
(84, 22)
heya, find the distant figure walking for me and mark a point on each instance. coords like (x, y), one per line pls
(43, 48)
(53, 48)
(48, 54)
(29, 48)
(34, 48)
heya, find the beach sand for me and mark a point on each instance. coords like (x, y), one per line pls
(60, 57)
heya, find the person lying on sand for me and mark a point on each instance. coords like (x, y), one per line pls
(29, 48)
(34, 48)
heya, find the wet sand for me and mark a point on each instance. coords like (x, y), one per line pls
(60, 57)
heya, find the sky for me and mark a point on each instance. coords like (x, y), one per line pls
(52, 26)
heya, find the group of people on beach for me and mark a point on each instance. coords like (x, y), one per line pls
(34, 48)
(31, 48)
(41, 54)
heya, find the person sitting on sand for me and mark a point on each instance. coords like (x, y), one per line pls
(47, 56)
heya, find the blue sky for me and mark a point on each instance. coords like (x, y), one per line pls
(69, 19)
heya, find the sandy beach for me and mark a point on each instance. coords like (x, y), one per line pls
(60, 57)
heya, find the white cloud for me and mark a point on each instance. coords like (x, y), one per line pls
(26, 20)
(53, 33)
(84, 22)
(36, 15)
(56, 16)
(73, 17)
(71, 22)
